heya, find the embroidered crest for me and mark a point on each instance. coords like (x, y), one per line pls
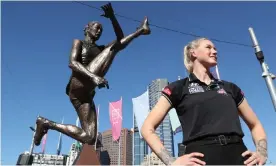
(195, 88)
(222, 91)
(167, 91)
(242, 93)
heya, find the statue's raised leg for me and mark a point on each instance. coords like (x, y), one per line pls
(100, 65)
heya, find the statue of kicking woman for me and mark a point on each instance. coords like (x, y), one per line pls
(89, 63)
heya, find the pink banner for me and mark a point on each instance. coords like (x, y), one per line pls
(115, 115)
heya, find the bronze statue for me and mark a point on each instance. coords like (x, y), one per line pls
(89, 63)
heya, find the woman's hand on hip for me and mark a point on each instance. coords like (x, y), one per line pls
(254, 158)
(189, 159)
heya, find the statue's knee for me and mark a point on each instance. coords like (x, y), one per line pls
(90, 139)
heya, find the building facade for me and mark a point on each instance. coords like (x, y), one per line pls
(122, 156)
(41, 159)
(181, 149)
(48, 159)
(140, 146)
(164, 130)
(73, 153)
(76, 148)
(152, 159)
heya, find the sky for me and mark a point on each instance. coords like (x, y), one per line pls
(37, 39)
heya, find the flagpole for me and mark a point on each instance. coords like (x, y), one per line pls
(120, 132)
(59, 142)
(144, 139)
(147, 156)
(77, 143)
(133, 136)
(217, 72)
(98, 112)
(32, 145)
(43, 146)
(119, 160)
(60, 134)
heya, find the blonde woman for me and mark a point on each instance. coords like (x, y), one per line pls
(209, 111)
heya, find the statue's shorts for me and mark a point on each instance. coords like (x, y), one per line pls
(80, 92)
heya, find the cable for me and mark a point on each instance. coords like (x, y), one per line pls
(18, 90)
(8, 69)
(168, 29)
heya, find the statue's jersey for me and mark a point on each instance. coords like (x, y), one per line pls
(88, 53)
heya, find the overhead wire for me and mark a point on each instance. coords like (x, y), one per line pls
(19, 102)
(165, 28)
(169, 29)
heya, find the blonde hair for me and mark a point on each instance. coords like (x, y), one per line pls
(188, 61)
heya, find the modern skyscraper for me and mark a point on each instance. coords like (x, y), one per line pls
(124, 156)
(73, 154)
(140, 146)
(164, 130)
(181, 149)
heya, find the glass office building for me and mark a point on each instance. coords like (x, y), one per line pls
(164, 130)
(140, 146)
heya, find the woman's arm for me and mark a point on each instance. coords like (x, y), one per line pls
(153, 120)
(256, 128)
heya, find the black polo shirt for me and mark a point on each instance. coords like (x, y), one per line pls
(205, 110)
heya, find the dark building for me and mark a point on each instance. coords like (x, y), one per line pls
(181, 149)
(24, 159)
(114, 155)
(104, 158)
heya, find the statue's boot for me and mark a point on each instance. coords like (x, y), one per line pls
(145, 27)
(41, 129)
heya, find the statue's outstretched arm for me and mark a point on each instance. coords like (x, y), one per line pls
(109, 13)
(78, 67)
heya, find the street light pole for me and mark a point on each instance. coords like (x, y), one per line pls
(266, 75)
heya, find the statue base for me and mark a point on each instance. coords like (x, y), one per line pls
(87, 156)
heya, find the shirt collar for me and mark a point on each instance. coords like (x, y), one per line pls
(192, 78)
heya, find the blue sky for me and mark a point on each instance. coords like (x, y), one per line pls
(37, 38)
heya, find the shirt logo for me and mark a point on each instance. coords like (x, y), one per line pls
(167, 91)
(195, 88)
(242, 93)
(222, 91)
